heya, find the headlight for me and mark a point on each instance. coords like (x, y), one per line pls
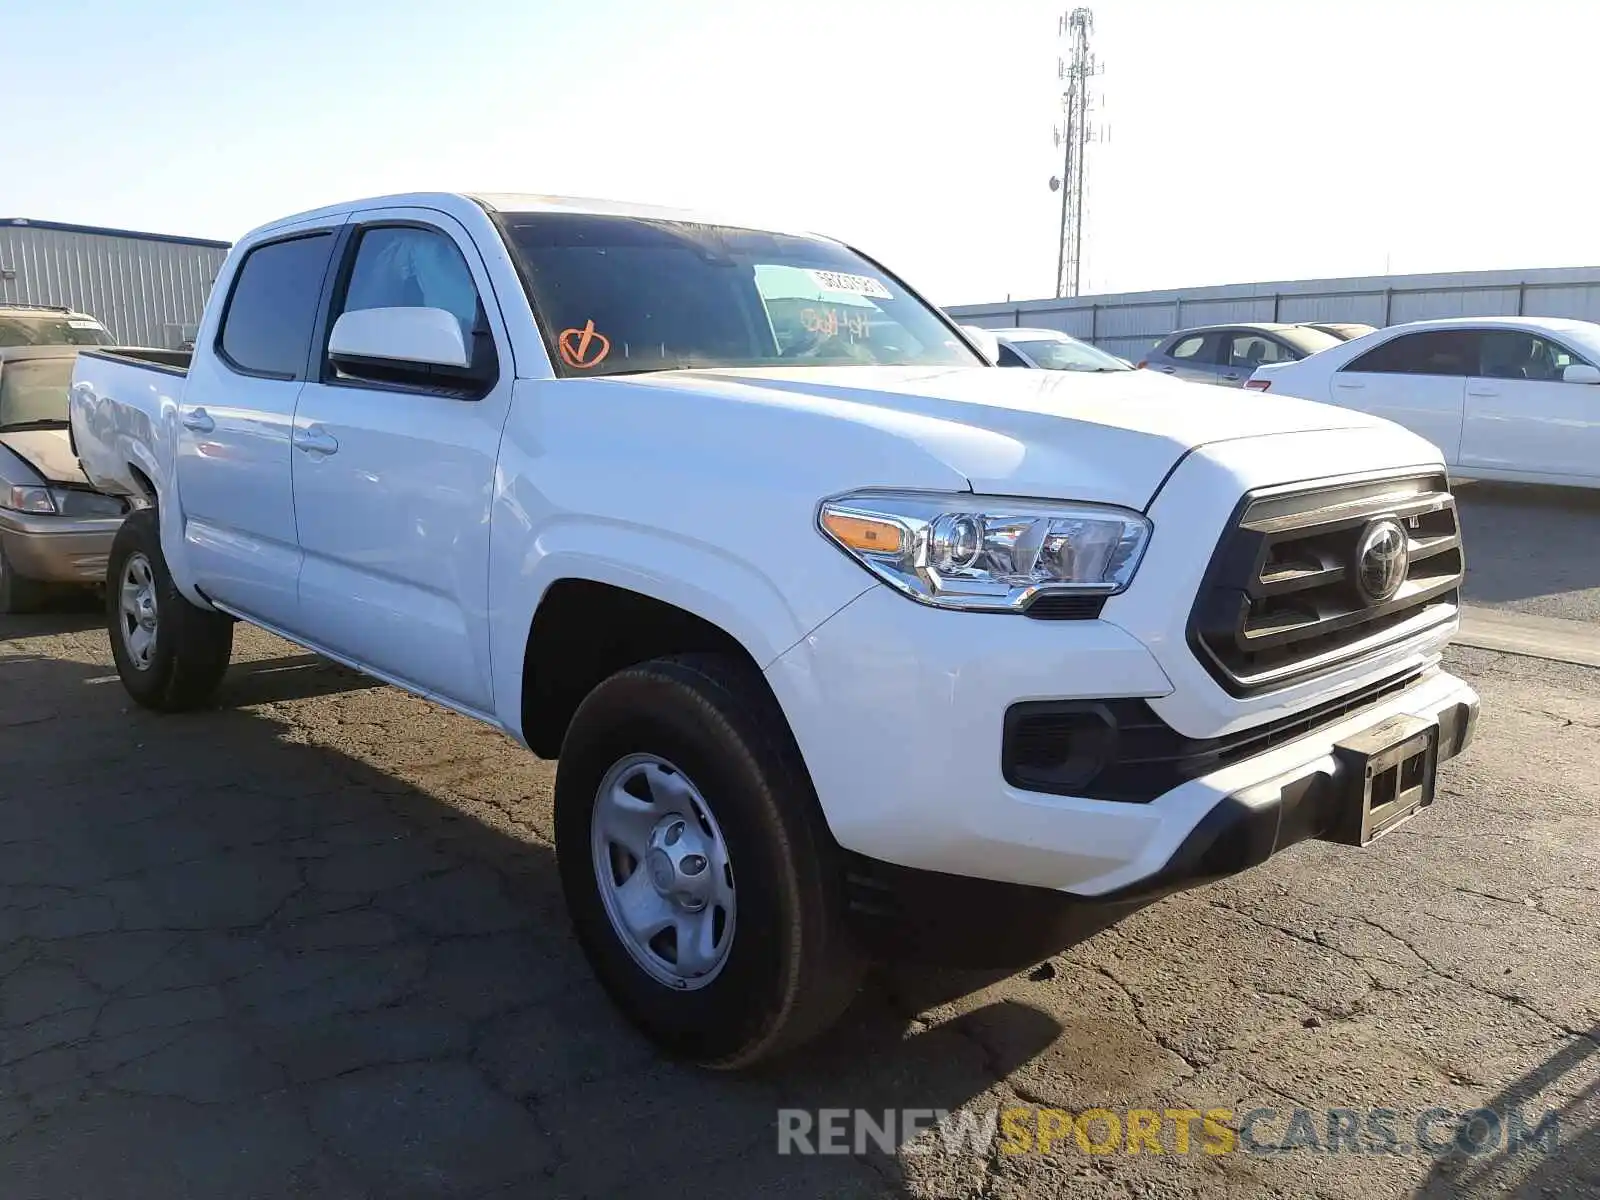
(28, 499)
(984, 552)
(80, 502)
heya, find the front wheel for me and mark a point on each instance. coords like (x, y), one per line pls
(169, 653)
(701, 881)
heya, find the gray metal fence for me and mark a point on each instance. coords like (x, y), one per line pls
(147, 289)
(1130, 323)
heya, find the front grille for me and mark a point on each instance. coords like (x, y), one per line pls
(1121, 750)
(1281, 599)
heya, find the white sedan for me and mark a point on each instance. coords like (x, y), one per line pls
(1508, 398)
(1043, 349)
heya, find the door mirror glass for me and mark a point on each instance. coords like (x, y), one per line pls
(1581, 373)
(398, 338)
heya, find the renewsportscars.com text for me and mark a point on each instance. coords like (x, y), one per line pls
(1213, 1131)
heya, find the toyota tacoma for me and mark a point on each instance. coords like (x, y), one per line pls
(843, 639)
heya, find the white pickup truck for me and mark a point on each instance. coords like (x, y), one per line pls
(846, 641)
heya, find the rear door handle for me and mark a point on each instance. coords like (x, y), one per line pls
(314, 439)
(199, 420)
(1348, 383)
(1233, 376)
(1169, 370)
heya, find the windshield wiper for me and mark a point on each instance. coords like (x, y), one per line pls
(45, 423)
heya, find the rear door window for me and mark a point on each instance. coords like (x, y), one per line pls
(1200, 348)
(266, 329)
(1257, 349)
(1436, 352)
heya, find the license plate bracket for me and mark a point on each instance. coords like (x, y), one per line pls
(1392, 770)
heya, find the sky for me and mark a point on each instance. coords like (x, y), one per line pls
(1240, 140)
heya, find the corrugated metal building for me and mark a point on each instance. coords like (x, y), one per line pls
(148, 289)
(1130, 323)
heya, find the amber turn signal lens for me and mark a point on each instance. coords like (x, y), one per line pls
(863, 533)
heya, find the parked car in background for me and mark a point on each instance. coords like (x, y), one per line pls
(1509, 398)
(50, 325)
(1052, 350)
(1343, 330)
(54, 527)
(1226, 354)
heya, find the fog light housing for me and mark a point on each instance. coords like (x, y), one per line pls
(1057, 747)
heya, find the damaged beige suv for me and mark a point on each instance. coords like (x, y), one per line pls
(55, 528)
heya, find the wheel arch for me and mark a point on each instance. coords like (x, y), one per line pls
(585, 630)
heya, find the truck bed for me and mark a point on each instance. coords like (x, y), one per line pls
(123, 410)
(176, 361)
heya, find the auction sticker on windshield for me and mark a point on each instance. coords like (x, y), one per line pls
(856, 285)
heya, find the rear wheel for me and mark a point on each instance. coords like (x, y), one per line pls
(17, 594)
(701, 881)
(169, 653)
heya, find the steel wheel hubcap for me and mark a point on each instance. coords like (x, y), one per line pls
(139, 613)
(662, 866)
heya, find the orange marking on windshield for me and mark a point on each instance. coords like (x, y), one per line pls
(583, 348)
(829, 321)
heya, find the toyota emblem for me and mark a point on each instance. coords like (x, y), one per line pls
(1382, 558)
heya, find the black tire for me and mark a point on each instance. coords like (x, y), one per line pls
(791, 967)
(192, 646)
(17, 594)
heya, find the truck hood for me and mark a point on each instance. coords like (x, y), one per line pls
(47, 451)
(1107, 437)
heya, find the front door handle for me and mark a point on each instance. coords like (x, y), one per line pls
(1483, 391)
(314, 439)
(199, 420)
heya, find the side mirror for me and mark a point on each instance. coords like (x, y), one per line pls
(1581, 373)
(988, 345)
(398, 337)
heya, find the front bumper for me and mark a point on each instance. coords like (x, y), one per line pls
(56, 549)
(1309, 800)
(899, 711)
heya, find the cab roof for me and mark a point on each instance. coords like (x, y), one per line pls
(462, 204)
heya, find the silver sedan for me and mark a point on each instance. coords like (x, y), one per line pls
(54, 527)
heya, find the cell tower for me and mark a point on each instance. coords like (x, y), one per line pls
(1072, 137)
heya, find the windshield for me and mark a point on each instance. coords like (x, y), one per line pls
(1055, 354)
(52, 329)
(623, 294)
(34, 390)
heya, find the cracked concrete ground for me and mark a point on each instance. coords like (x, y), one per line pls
(312, 944)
